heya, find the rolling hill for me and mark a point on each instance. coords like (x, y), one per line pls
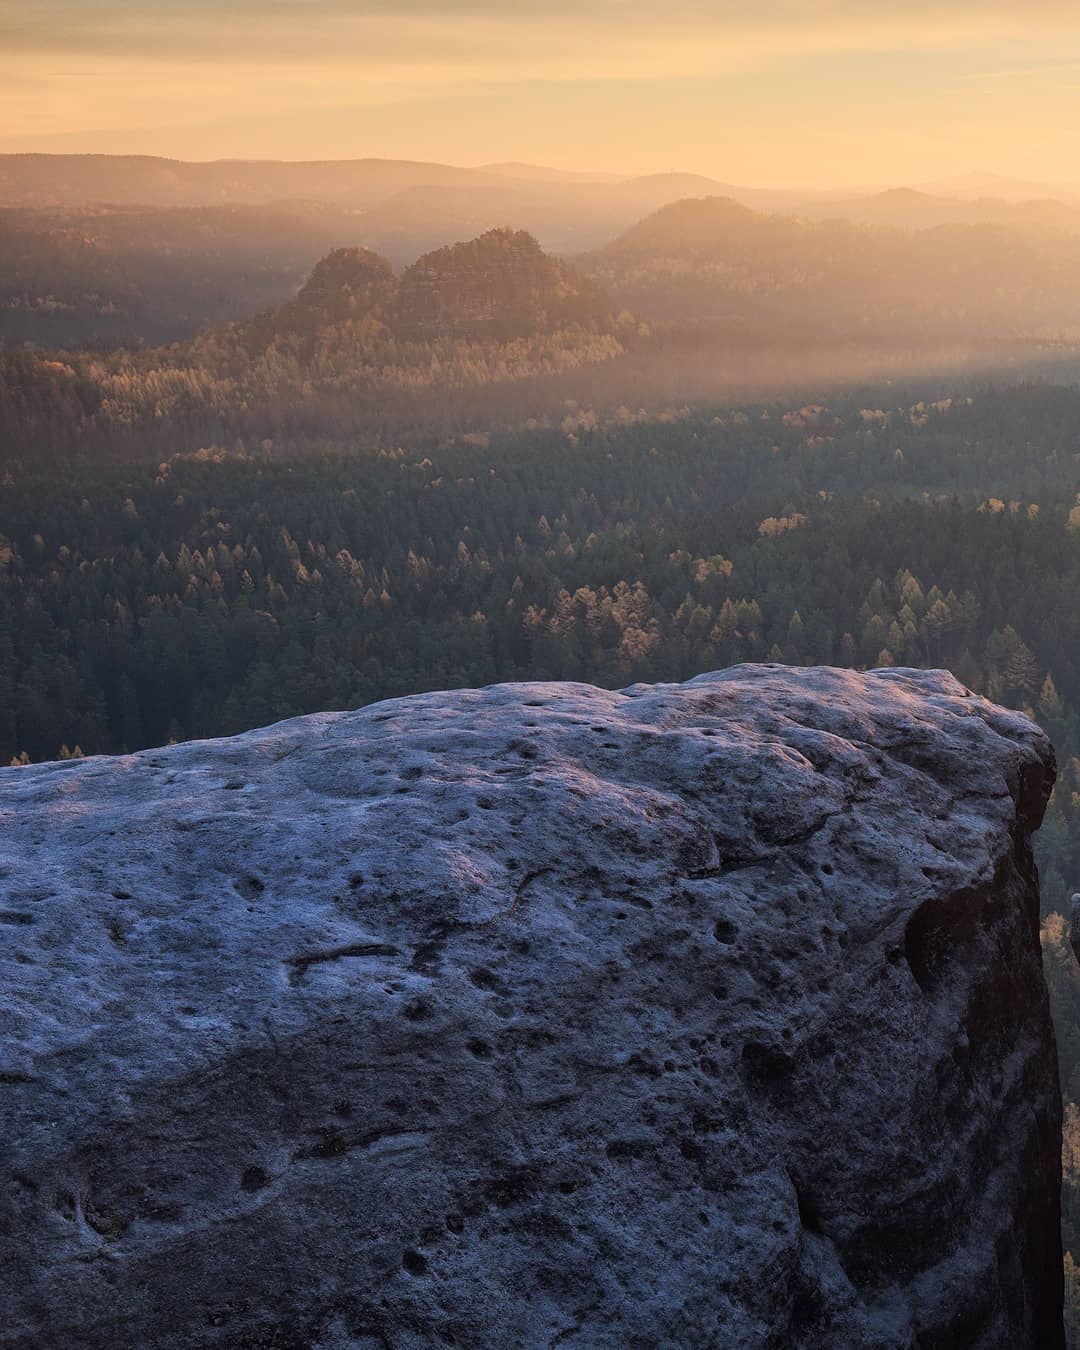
(712, 260)
(909, 209)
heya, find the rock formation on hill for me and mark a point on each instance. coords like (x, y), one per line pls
(696, 1015)
(349, 284)
(497, 287)
(501, 284)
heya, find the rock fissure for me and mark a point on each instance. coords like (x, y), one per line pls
(302, 962)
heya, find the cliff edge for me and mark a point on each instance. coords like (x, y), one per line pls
(539, 1015)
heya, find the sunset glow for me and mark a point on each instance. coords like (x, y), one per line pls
(835, 94)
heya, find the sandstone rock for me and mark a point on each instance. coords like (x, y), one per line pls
(699, 1015)
(499, 285)
(348, 283)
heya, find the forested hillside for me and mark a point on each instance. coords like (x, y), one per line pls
(714, 261)
(357, 350)
(704, 300)
(110, 276)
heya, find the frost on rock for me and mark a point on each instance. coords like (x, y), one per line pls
(688, 1015)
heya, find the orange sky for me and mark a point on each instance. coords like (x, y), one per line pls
(833, 92)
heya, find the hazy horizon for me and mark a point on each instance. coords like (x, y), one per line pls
(834, 99)
(976, 177)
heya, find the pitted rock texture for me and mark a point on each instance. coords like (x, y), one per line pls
(690, 1015)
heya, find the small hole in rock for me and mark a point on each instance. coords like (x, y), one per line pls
(483, 978)
(253, 1179)
(414, 1263)
(725, 931)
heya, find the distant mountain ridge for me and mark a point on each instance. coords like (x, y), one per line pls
(909, 208)
(544, 174)
(983, 184)
(567, 218)
(145, 180)
(406, 208)
(714, 260)
(38, 179)
(409, 207)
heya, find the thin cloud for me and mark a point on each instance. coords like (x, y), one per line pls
(1024, 72)
(373, 30)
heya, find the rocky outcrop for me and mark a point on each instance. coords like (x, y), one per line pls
(348, 285)
(497, 287)
(698, 1015)
(500, 285)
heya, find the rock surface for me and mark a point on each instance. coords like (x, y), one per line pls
(698, 1015)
